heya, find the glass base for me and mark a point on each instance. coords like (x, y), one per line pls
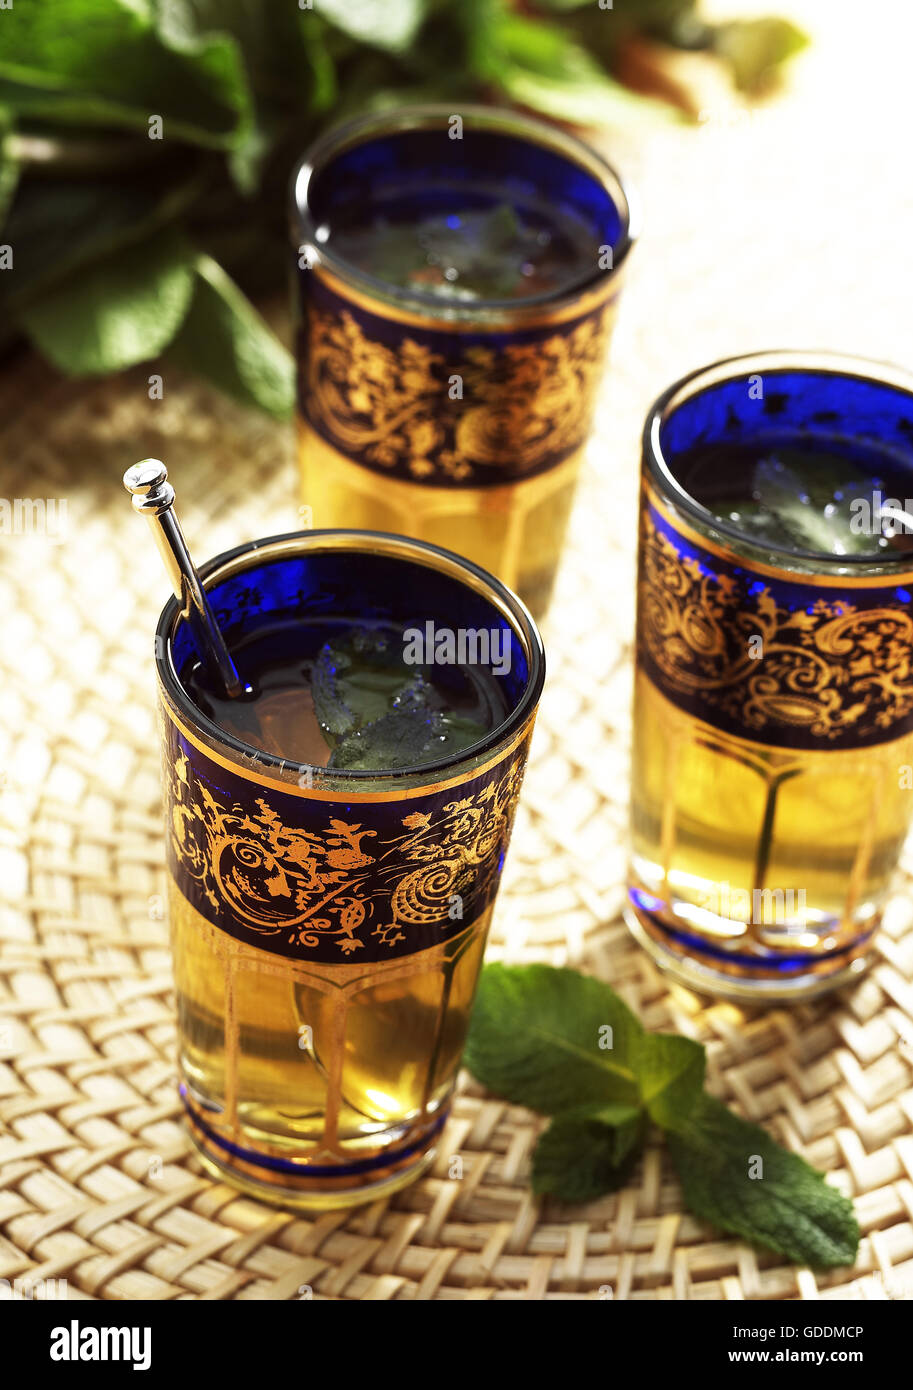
(762, 988)
(308, 1186)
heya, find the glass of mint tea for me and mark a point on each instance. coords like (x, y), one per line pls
(772, 780)
(456, 282)
(336, 837)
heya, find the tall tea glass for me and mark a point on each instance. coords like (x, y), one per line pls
(456, 282)
(772, 778)
(328, 925)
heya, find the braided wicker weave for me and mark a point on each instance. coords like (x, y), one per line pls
(98, 1185)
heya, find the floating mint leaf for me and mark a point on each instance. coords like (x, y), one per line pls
(588, 1151)
(467, 254)
(411, 734)
(483, 252)
(456, 733)
(355, 681)
(552, 1039)
(379, 714)
(814, 515)
(737, 1177)
(399, 739)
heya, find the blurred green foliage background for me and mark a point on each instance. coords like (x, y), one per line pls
(116, 245)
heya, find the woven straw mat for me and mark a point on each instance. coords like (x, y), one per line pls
(98, 1183)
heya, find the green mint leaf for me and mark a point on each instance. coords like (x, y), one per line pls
(540, 66)
(552, 1039)
(58, 226)
(119, 62)
(388, 24)
(355, 680)
(737, 1177)
(224, 339)
(806, 505)
(9, 164)
(670, 1072)
(588, 1151)
(754, 48)
(117, 312)
(564, 5)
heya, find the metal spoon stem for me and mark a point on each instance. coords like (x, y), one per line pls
(153, 498)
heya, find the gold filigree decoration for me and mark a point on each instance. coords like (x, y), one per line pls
(829, 669)
(314, 887)
(523, 407)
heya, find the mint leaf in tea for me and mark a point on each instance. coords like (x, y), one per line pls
(832, 496)
(343, 696)
(473, 246)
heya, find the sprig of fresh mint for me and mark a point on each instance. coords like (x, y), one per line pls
(564, 1044)
(146, 148)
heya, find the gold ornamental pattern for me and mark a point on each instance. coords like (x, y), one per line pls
(726, 648)
(492, 415)
(338, 883)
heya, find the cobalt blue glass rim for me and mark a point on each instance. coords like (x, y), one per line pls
(658, 470)
(412, 551)
(343, 137)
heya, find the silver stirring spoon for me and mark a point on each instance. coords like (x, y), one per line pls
(153, 498)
